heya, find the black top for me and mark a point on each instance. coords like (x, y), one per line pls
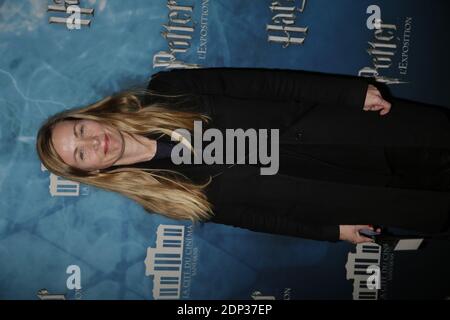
(162, 160)
(333, 167)
(163, 149)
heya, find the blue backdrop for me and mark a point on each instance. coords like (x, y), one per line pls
(48, 225)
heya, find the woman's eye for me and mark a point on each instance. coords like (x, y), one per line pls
(82, 134)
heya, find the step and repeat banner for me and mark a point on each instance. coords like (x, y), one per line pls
(64, 240)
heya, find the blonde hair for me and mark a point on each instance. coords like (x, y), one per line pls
(166, 192)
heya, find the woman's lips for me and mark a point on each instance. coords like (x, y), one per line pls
(106, 143)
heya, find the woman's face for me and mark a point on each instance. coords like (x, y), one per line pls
(87, 144)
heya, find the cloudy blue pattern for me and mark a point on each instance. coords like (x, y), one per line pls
(45, 68)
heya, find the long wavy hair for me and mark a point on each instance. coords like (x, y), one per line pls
(162, 191)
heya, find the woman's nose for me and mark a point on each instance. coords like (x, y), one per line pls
(92, 142)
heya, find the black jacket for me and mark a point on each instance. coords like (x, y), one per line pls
(315, 113)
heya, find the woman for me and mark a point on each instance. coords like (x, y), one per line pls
(341, 168)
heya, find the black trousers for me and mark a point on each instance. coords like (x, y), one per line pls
(412, 168)
(419, 168)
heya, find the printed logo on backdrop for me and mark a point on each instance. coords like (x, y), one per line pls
(284, 27)
(60, 187)
(70, 14)
(389, 48)
(172, 262)
(179, 32)
(363, 267)
(371, 267)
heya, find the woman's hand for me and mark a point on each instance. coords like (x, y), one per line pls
(374, 101)
(351, 234)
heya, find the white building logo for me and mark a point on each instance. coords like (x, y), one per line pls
(61, 187)
(257, 295)
(367, 255)
(164, 262)
(371, 267)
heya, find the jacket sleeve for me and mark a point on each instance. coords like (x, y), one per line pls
(265, 83)
(261, 219)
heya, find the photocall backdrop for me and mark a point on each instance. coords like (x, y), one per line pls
(60, 239)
